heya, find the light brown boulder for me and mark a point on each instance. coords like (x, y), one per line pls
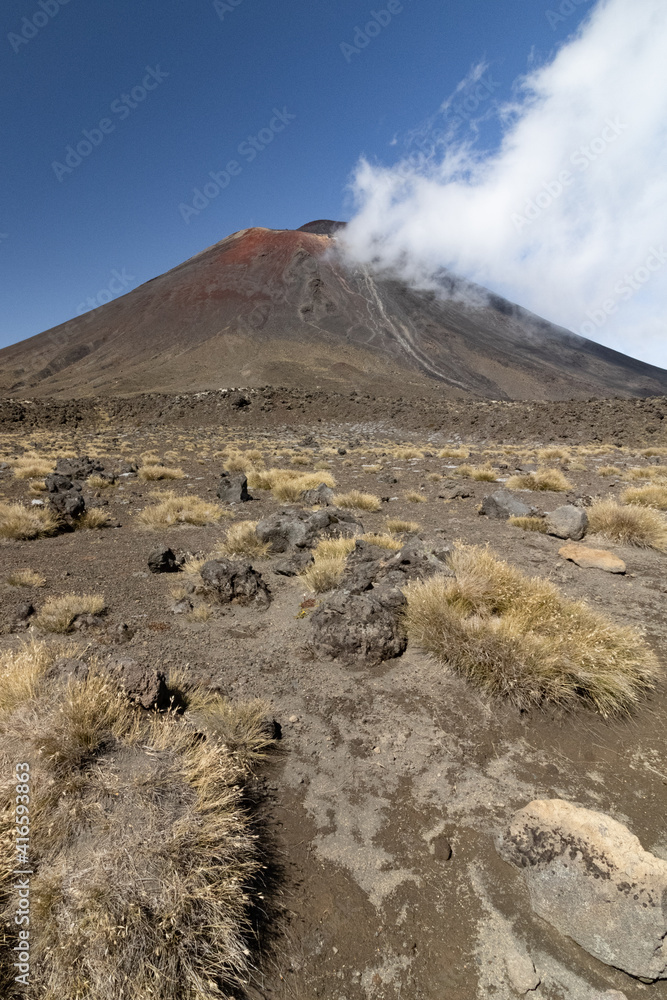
(589, 558)
(592, 880)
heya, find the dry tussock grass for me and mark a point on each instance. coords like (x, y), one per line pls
(242, 540)
(412, 496)
(646, 496)
(461, 452)
(406, 454)
(287, 485)
(529, 523)
(142, 894)
(553, 454)
(356, 500)
(26, 578)
(59, 613)
(175, 510)
(151, 473)
(628, 524)
(518, 637)
(24, 523)
(383, 541)
(325, 572)
(33, 467)
(397, 526)
(93, 518)
(96, 482)
(543, 479)
(609, 470)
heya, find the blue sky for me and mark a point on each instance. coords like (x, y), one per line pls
(199, 82)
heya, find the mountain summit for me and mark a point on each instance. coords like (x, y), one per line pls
(284, 307)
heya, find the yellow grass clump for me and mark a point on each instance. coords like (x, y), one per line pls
(412, 496)
(151, 473)
(141, 894)
(59, 613)
(461, 452)
(529, 523)
(287, 485)
(24, 523)
(646, 496)
(396, 526)
(609, 470)
(242, 540)
(175, 510)
(329, 564)
(355, 500)
(97, 482)
(543, 479)
(518, 637)
(93, 518)
(383, 541)
(25, 578)
(33, 467)
(628, 524)
(553, 454)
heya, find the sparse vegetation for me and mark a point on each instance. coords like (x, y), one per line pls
(628, 524)
(355, 500)
(529, 523)
(24, 523)
(384, 541)
(181, 510)
(32, 467)
(25, 578)
(97, 482)
(646, 496)
(461, 452)
(93, 518)
(329, 564)
(161, 906)
(609, 470)
(242, 540)
(152, 473)
(58, 614)
(543, 479)
(412, 496)
(519, 638)
(396, 526)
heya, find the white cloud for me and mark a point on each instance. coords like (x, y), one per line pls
(566, 215)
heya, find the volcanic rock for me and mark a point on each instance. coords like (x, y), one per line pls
(592, 880)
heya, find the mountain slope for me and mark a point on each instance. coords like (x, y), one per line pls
(280, 307)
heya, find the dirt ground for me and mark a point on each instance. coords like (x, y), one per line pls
(385, 771)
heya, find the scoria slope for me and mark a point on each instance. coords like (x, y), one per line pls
(283, 307)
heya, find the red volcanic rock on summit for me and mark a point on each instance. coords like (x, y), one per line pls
(284, 307)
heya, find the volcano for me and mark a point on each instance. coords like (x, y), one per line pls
(286, 308)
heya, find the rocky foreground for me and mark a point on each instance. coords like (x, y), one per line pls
(423, 838)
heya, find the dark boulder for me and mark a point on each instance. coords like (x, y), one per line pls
(289, 528)
(503, 504)
(235, 580)
(78, 468)
(143, 684)
(363, 628)
(233, 488)
(163, 560)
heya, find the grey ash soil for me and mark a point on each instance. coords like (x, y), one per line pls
(385, 769)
